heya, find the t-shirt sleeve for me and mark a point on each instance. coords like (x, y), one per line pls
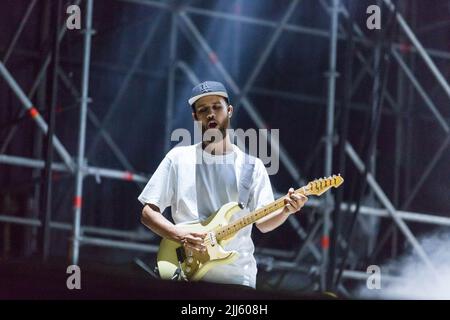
(262, 193)
(160, 188)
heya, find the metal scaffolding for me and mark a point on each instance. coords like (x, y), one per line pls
(181, 20)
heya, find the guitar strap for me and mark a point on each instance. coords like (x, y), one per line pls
(246, 179)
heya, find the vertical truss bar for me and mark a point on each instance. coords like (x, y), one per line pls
(388, 205)
(46, 199)
(420, 48)
(82, 136)
(36, 116)
(19, 31)
(268, 49)
(399, 128)
(171, 80)
(399, 137)
(411, 101)
(375, 103)
(332, 74)
(41, 97)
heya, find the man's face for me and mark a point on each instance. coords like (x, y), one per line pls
(212, 111)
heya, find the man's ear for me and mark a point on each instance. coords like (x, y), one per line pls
(194, 116)
(230, 108)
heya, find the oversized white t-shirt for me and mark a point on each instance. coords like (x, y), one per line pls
(195, 184)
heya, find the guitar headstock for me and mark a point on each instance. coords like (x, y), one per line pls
(319, 186)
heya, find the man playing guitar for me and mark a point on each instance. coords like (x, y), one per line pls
(196, 180)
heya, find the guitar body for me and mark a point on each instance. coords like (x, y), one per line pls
(194, 267)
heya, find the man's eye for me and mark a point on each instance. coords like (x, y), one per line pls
(202, 110)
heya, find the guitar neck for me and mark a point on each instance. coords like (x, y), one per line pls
(230, 229)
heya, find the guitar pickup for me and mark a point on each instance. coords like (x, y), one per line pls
(212, 238)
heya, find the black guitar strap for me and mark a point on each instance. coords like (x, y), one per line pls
(246, 180)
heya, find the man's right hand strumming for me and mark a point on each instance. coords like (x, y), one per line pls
(154, 220)
(192, 240)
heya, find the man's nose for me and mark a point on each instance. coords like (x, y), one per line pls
(210, 116)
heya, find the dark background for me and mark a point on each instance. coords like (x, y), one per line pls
(297, 65)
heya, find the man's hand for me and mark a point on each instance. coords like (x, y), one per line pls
(293, 202)
(192, 241)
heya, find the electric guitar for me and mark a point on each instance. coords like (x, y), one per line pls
(174, 262)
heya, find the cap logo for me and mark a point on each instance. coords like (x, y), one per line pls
(204, 88)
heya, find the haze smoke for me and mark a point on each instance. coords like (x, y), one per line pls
(415, 279)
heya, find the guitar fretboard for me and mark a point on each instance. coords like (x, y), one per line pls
(230, 229)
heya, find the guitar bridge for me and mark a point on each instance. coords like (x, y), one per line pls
(212, 238)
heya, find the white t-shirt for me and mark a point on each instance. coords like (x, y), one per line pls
(196, 184)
